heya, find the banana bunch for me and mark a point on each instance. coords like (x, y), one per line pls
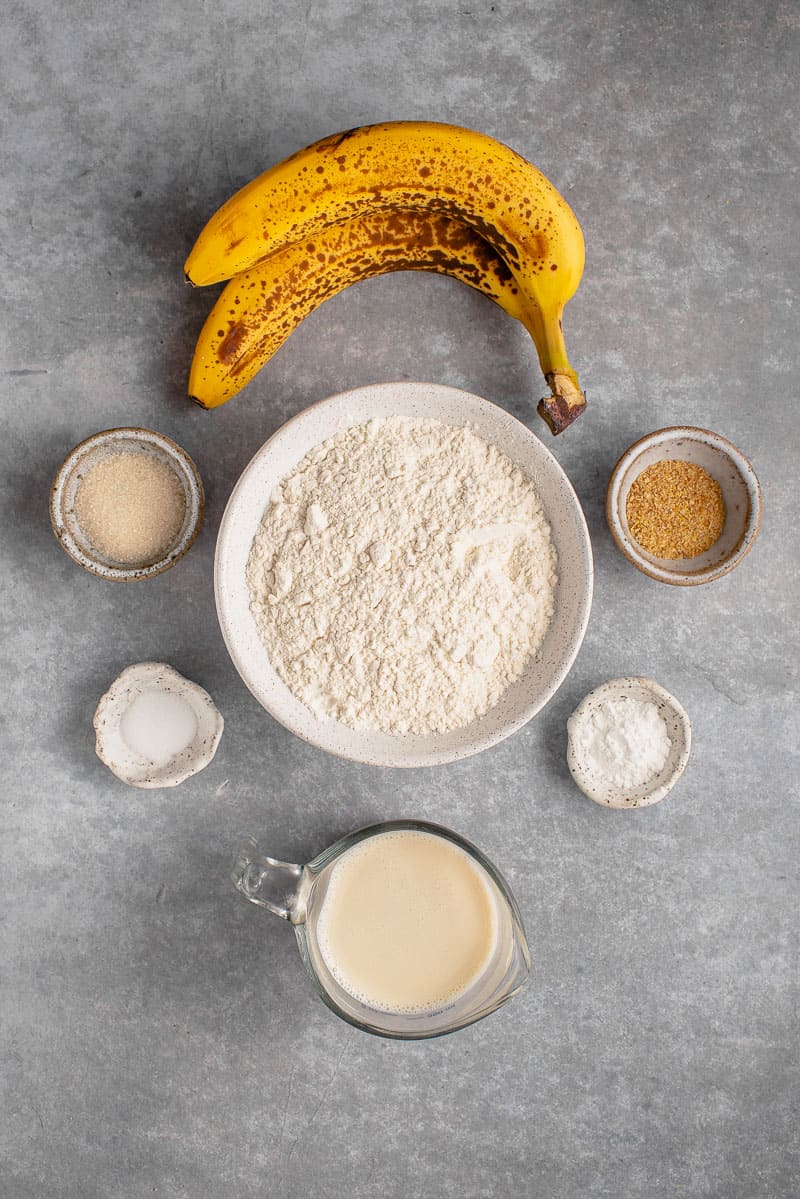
(400, 196)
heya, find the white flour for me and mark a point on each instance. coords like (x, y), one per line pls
(401, 576)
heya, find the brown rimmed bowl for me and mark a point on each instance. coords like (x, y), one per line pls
(87, 455)
(740, 490)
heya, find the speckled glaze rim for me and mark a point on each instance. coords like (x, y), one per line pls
(627, 546)
(509, 714)
(126, 687)
(185, 470)
(640, 797)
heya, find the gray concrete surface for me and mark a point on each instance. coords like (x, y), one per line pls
(159, 1035)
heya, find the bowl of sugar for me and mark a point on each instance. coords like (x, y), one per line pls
(403, 574)
(126, 504)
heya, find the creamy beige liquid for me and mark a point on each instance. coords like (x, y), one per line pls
(409, 921)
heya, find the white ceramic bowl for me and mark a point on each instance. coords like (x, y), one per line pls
(128, 765)
(740, 490)
(679, 731)
(278, 457)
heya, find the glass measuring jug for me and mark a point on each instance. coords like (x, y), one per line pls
(298, 893)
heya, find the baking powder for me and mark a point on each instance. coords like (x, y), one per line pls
(622, 742)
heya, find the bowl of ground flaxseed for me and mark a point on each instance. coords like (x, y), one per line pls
(126, 503)
(684, 505)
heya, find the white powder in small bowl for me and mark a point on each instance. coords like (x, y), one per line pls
(620, 742)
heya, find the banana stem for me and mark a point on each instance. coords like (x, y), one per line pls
(548, 336)
(566, 401)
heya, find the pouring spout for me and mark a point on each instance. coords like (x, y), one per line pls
(280, 887)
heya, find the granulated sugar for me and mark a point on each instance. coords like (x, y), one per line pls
(402, 576)
(131, 507)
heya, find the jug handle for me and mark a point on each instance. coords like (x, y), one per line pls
(270, 883)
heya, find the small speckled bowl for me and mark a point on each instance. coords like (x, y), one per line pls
(128, 765)
(740, 491)
(86, 455)
(679, 731)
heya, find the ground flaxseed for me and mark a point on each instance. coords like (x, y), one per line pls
(131, 507)
(675, 509)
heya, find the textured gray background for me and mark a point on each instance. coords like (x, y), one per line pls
(160, 1037)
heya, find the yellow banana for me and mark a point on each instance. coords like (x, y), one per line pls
(427, 167)
(259, 308)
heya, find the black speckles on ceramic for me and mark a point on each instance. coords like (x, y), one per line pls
(544, 673)
(129, 766)
(740, 490)
(679, 731)
(86, 455)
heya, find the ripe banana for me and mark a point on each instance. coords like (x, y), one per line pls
(259, 308)
(425, 167)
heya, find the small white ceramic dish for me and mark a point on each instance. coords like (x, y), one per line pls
(679, 731)
(86, 455)
(740, 490)
(133, 768)
(278, 457)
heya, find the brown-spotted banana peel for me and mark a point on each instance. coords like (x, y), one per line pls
(434, 170)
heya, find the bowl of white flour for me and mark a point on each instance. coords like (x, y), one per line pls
(403, 574)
